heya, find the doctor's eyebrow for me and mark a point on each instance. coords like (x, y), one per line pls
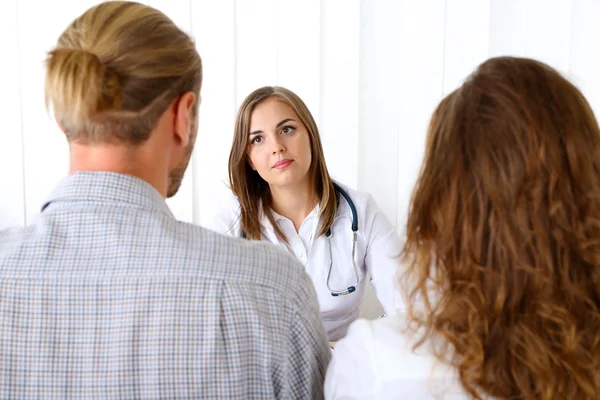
(278, 125)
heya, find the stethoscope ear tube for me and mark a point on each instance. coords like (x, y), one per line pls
(345, 195)
(349, 289)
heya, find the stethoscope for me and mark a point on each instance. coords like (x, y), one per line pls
(352, 288)
(349, 289)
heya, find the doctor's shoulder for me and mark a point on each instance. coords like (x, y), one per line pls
(222, 215)
(367, 208)
(362, 200)
(372, 221)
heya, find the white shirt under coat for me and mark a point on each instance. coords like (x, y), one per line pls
(378, 252)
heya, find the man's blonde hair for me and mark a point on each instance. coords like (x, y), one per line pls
(116, 69)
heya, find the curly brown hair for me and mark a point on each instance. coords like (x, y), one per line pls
(503, 235)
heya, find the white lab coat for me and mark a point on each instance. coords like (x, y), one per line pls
(378, 253)
(376, 361)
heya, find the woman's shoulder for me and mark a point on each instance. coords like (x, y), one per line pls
(391, 347)
(376, 343)
(376, 359)
(385, 332)
(369, 361)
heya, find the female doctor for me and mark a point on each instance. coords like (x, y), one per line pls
(283, 193)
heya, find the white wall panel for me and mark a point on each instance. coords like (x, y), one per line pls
(585, 58)
(45, 148)
(299, 50)
(466, 39)
(549, 31)
(255, 45)
(12, 201)
(420, 88)
(213, 29)
(380, 65)
(339, 116)
(508, 28)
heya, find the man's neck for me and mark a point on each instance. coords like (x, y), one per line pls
(119, 159)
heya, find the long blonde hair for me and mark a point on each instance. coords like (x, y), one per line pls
(503, 235)
(251, 189)
(115, 70)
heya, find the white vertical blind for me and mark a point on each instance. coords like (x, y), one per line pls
(12, 199)
(370, 71)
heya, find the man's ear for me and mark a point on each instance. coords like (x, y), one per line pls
(184, 117)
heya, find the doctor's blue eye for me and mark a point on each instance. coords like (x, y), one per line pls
(287, 129)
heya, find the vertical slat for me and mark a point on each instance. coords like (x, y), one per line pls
(255, 45)
(533, 28)
(549, 32)
(213, 28)
(340, 44)
(467, 39)
(12, 207)
(380, 64)
(298, 50)
(182, 204)
(508, 28)
(420, 87)
(45, 148)
(585, 59)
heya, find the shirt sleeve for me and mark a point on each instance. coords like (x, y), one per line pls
(383, 257)
(352, 373)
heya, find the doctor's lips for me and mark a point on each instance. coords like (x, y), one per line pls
(281, 164)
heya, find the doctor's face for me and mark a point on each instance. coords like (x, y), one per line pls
(278, 144)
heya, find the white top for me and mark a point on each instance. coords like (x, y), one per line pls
(375, 361)
(378, 252)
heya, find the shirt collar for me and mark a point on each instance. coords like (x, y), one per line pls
(316, 212)
(106, 187)
(269, 230)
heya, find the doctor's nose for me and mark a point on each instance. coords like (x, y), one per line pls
(277, 147)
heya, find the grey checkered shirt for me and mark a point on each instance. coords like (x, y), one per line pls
(107, 296)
